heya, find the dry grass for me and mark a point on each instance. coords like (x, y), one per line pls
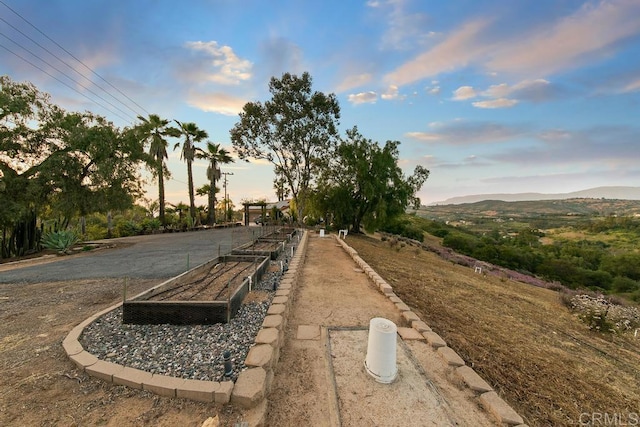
(538, 356)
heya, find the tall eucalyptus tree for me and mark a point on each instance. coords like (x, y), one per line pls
(295, 131)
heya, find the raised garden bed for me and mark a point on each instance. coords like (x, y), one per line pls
(280, 234)
(262, 246)
(207, 294)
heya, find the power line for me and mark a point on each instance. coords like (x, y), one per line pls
(63, 62)
(64, 83)
(66, 75)
(77, 59)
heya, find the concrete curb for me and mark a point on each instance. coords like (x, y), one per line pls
(489, 399)
(252, 385)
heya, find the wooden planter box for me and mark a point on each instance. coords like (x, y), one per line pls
(263, 246)
(146, 308)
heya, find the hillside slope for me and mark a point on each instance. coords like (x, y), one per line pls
(544, 362)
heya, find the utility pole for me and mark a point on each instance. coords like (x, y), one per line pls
(226, 201)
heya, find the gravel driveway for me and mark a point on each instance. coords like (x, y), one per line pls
(144, 257)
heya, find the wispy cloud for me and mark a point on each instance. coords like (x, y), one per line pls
(405, 29)
(353, 81)
(464, 92)
(495, 103)
(529, 90)
(588, 35)
(459, 133)
(424, 136)
(363, 98)
(632, 86)
(459, 49)
(221, 65)
(216, 102)
(598, 146)
(505, 95)
(434, 90)
(392, 93)
(466, 162)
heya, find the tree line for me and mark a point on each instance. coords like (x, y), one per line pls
(65, 165)
(574, 263)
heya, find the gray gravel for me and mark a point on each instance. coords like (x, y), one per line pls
(184, 351)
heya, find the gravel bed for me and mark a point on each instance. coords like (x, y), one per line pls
(184, 351)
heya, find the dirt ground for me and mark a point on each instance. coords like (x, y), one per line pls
(539, 358)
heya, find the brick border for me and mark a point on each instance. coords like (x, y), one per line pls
(261, 359)
(488, 398)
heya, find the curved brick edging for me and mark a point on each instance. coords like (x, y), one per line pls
(252, 384)
(490, 400)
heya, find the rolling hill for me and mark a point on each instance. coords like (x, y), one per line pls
(621, 193)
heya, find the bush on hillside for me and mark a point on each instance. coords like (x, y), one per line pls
(404, 228)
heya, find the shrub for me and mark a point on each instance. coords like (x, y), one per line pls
(127, 228)
(441, 232)
(96, 232)
(404, 228)
(150, 224)
(61, 241)
(624, 284)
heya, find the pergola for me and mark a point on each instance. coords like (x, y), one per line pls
(247, 205)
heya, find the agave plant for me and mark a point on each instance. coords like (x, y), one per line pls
(61, 241)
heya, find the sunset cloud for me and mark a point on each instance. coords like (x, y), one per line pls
(216, 102)
(222, 65)
(363, 98)
(495, 103)
(461, 48)
(463, 93)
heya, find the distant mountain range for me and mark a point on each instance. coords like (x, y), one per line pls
(620, 193)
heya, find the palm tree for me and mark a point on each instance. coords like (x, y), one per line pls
(154, 131)
(192, 134)
(216, 155)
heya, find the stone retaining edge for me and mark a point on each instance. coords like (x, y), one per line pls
(252, 385)
(488, 398)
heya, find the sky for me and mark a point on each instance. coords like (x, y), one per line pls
(493, 96)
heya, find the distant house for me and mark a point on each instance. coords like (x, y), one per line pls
(283, 206)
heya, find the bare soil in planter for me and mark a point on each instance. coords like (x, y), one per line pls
(212, 284)
(262, 246)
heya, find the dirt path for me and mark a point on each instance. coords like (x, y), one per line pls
(334, 295)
